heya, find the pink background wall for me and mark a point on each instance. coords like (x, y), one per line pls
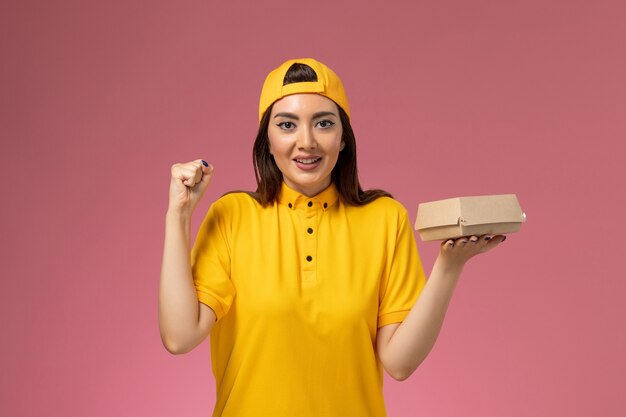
(449, 98)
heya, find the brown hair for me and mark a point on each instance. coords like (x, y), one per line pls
(345, 175)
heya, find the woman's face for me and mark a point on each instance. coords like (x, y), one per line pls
(305, 139)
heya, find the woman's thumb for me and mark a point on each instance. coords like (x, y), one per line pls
(207, 173)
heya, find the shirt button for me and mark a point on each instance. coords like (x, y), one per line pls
(290, 206)
(309, 258)
(325, 205)
(309, 230)
(310, 204)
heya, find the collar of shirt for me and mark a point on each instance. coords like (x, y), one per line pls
(294, 200)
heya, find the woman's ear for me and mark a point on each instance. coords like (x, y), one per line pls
(343, 145)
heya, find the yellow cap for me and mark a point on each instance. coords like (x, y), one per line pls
(328, 85)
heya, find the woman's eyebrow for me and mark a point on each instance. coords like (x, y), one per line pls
(295, 116)
(288, 115)
(324, 113)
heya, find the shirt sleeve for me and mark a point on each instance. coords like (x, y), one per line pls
(404, 276)
(210, 261)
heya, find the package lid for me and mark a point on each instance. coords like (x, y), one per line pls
(467, 211)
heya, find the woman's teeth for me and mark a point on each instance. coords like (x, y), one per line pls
(308, 161)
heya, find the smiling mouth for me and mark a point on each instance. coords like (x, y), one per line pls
(307, 161)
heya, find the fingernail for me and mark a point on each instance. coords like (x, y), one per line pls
(205, 163)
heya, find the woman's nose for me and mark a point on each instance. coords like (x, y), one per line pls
(306, 139)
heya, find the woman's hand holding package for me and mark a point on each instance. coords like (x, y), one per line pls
(455, 252)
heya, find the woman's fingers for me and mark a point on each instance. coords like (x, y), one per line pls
(461, 242)
(473, 242)
(460, 250)
(207, 172)
(191, 173)
(492, 243)
(189, 182)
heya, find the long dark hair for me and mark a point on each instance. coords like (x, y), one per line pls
(345, 175)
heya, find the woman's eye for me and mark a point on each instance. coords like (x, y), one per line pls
(285, 125)
(325, 124)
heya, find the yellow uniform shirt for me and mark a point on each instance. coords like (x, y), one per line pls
(300, 288)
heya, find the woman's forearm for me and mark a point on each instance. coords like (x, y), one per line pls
(416, 335)
(178, 302)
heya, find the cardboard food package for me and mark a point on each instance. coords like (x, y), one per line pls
(465, 216)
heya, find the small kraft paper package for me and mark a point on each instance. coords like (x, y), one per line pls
(466, 216)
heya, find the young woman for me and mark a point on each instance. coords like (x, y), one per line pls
(309, 286)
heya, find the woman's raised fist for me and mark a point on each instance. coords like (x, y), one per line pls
(188, 184)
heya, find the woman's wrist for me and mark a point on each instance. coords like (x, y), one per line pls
(178, 216)
(449, 267)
